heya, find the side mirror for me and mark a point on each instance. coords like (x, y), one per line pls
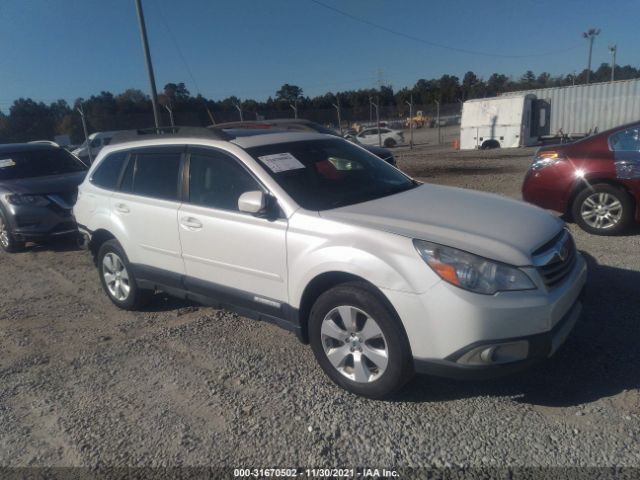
(252, 202)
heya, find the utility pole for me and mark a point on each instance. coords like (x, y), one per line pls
(337, 107)
(377, 105)
(294, 107)
(239, 108)
(410, 122)
(86, 132)
(590, 35)
(370, 110)
(613, 49)
(147, 57)
(438, 118)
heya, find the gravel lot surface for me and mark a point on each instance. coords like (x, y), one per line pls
(83, 383)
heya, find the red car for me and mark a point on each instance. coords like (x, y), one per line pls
(595, 181)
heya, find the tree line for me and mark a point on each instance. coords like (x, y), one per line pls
(28, 119)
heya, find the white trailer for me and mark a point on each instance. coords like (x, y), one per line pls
(503, 121)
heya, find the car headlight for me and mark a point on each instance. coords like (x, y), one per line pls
(472, 272)
(28, 200)
(545, 159)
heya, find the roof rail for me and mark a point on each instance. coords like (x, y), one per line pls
(164, 132)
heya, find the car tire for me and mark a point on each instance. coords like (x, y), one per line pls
(389, 143)
(369, 359)
(117, 278)
(603, 209)
(8, 243)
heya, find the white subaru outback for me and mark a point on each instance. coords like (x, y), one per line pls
(382, 275)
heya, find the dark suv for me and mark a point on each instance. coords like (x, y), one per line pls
(38, 187)
(596, 181)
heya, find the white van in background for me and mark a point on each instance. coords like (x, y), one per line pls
(96, 141)
(497, 122)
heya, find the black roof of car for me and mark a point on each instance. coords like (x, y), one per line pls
(24, 147)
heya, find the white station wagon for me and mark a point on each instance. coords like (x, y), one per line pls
(382, 275)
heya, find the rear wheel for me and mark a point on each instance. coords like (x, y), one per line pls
(358, 342)
(603, 209)
(118, 280)
(490, 144)
(7, 241)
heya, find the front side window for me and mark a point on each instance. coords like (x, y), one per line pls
(153, 175)
(625, 145)
(108, 172)
(625, 140)
(331, 173)
(217, 180)
(41, 162)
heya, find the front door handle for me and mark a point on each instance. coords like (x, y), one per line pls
(122, 208)
(191, 223)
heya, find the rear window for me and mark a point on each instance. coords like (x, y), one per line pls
(108, 172)
(38, 163)
(153, 175)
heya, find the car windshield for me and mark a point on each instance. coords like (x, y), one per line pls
(325, 174)
(38, 163)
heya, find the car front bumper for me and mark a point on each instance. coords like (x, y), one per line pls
(456, 333)
(40, 223)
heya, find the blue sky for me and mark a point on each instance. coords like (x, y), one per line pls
(248, 48)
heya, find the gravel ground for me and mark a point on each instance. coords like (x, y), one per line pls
(85, 384)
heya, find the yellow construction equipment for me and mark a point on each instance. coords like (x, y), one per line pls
(419, 120)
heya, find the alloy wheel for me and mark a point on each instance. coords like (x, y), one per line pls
(116, 276)
(4, 233)
(354, 344)
(601, 210)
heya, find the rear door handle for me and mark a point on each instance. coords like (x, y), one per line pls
(191, 223)
(122, 208)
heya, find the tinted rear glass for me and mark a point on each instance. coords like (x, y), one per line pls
(156, 175)
(108, 172)
(38, 163)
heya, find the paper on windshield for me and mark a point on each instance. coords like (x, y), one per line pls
(281, 162)
(7, 162)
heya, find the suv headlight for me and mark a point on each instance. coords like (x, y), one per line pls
(28, 200)
(472, 272)
(545, 159)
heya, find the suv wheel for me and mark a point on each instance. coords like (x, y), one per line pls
(117, 278)
(603, 209)
(358, 342)
(389, 143)
(7, 242)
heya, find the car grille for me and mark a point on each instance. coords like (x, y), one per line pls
(555, 259)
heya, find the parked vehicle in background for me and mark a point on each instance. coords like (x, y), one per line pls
(38, 187)
(389, 138)
(497, 122)
(302, 125)
(596, 180)
(93, 145)
(382, 275)
(419, 120)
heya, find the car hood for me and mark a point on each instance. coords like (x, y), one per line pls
(67, 182)
(379, 151)
(485, 224)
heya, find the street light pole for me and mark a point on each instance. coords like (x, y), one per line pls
(170, 110)
(147, 57)
(438, 119)
(590, 35)
(294, 107)
(239, 108)
(337, 107)
(80, 109)
(613, 49)
(410, 122)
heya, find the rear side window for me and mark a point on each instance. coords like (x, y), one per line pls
(154, 175)
(217, 181)
(107, 173)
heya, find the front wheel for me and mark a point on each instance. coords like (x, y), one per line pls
(117, 278)
(7, 241)
(603, 209)
(389, 143)
(358, 342)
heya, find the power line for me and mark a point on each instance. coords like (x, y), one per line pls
(434, 44)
